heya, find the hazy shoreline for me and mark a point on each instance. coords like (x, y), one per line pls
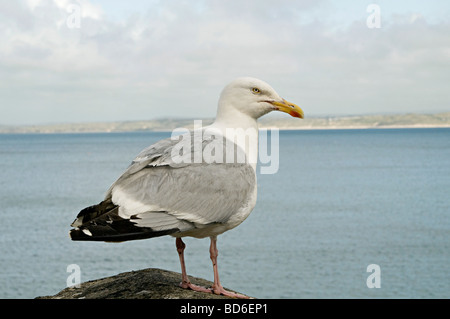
(397, 121)
(358, 127)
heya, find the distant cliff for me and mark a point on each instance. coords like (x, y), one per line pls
(413, 120)
(142, 284)
(340, 122)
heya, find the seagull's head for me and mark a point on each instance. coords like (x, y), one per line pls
(255, 98)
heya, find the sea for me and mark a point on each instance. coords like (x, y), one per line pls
(360, 213)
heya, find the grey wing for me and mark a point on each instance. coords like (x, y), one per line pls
(156, 196)
(160, 154)
(188, 193)
(197, 193)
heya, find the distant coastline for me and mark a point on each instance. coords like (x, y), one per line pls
(412, 120)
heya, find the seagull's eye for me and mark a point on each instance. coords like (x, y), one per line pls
(256, 90)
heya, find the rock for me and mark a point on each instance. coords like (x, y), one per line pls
(149, 283)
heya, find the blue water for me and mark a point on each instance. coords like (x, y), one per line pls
(340, 201)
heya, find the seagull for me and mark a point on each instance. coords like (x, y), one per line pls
(202, 193)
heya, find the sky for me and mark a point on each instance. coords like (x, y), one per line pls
(64, 61)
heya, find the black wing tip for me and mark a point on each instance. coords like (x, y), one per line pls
(101, 222)
(85, 234)
(94, 211)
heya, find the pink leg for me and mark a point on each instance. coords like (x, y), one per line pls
(186, 283)
(217, 287)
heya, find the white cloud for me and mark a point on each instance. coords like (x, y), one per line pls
(174, 58)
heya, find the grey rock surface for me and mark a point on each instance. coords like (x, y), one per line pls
(148, 283)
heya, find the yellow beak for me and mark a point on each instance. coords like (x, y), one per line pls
(288, 107)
